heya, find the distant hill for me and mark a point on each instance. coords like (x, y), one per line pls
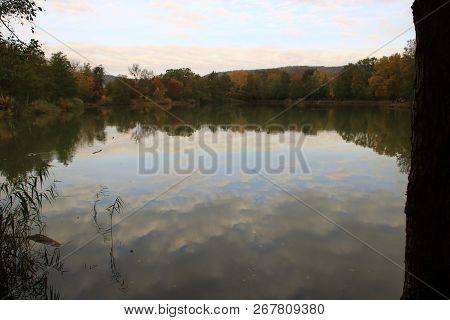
(292, 69)
(239, 77)
(295, 69)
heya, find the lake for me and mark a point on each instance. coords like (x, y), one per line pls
(223, 234)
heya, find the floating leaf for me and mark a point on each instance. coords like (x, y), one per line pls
(44, 240)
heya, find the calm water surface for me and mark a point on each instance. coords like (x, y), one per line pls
(222, 236)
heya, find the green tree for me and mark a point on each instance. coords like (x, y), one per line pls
(22, 70)
(62, 80)
(295, 87)
(218, 85)
(312, 85)
(408, 71)
(119, 90)
(98, 74)
(361, 73)
(342, 85)
(319, 88)
(252, 90)
(282, 90)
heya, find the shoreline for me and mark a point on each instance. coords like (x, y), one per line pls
(5, 113)
(331, 103)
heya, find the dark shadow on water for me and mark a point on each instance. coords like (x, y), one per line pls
(27, 255)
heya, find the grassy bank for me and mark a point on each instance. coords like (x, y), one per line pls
(41, 107)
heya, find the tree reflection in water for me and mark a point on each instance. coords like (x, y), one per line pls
(37, 142)
(25, 265)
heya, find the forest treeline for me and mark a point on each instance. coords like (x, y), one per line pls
(34, 84)
(30, 82)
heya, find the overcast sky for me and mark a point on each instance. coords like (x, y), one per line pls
(220, 35)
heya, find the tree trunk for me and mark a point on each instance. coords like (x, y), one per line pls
(427, 253)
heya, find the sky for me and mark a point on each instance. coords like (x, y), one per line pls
(221, 35)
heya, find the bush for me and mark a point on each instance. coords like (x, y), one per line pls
(42, 106)
(70, 104)
(142, 106)
(8, 107)
(105, 100)
(7, 102)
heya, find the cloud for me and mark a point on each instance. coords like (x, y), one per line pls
(345, 20)
(231, 236)
(247, 248)
(223, 35)
(71, 6)
(203, 60)
(170, 12)
(339, 174)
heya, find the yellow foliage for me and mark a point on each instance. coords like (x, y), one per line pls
(7, 102)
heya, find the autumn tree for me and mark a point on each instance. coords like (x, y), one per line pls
(157, 89)
(174, 89)
(393, 76)
(84, 82)
(386, 78)
(239, 78)
(192, 85)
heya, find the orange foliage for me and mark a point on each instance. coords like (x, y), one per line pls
(238, 77)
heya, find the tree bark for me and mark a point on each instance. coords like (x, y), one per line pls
(427, 253)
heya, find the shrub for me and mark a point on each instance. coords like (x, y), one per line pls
(105, 100)
(42, 106)
(75, 105)
(7, 102)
